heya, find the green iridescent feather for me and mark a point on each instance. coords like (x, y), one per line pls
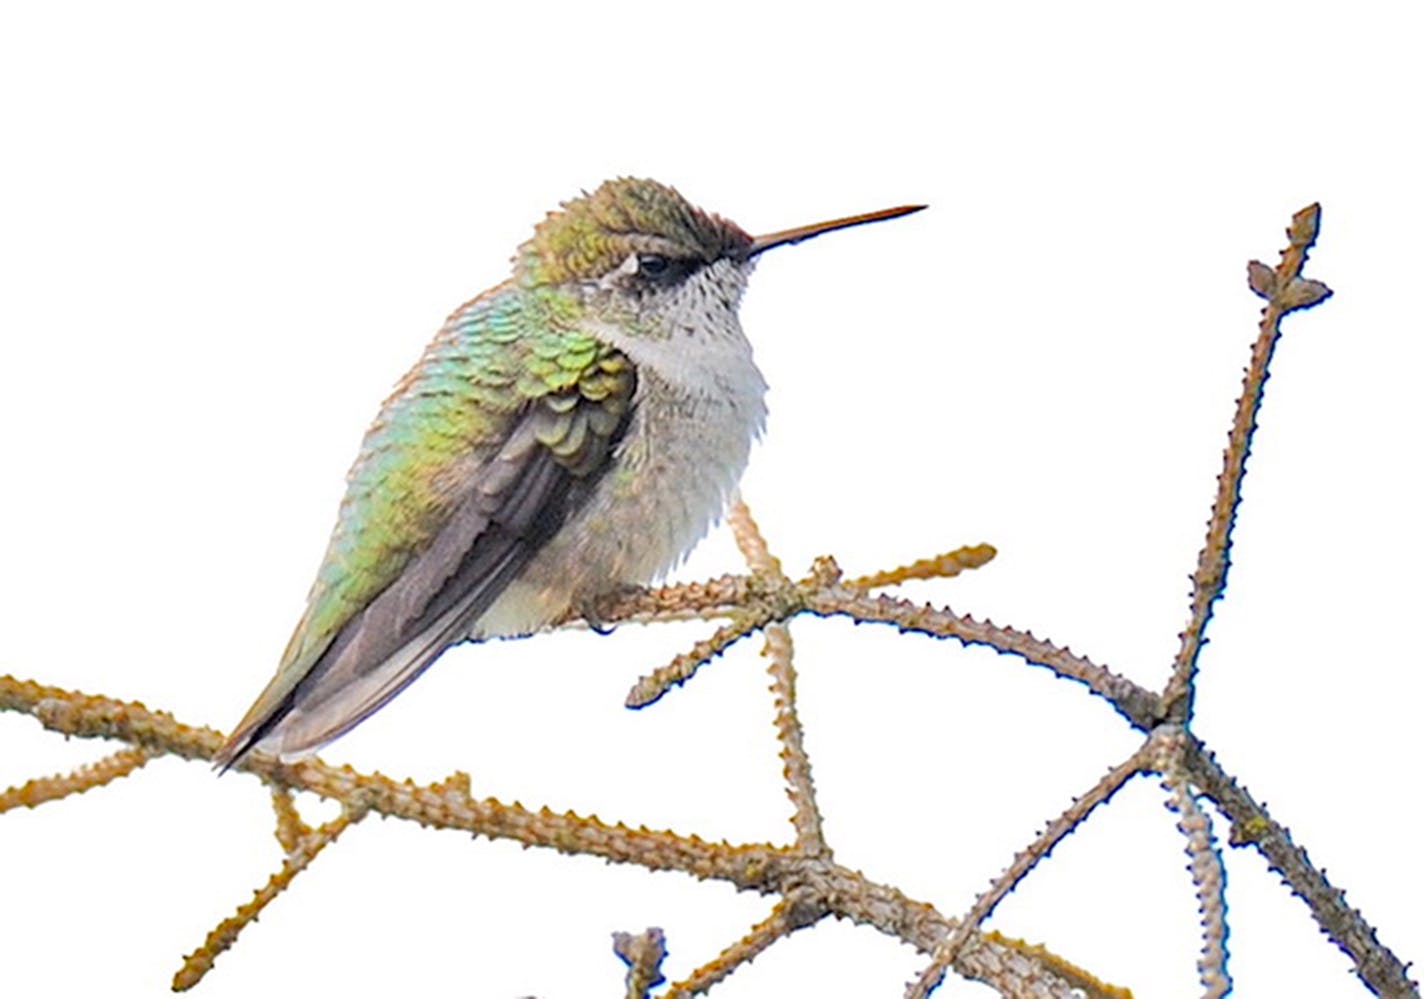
(509, 354)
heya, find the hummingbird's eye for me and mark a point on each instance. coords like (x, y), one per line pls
(653, 265)
(661, 271)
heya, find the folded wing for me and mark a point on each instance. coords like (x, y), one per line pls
(461, 481)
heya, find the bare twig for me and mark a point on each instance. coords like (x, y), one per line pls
(1138, 705)
(1024, 862)
(751, 543)
(224, 935)
(796, 765)
(1285, 291)
(36, 792)
(1375, 964)
(291, 828)
(650, 688)
(943, 566)
(1209, 878)
(792, 913)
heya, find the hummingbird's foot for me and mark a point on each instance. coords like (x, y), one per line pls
(594, 610)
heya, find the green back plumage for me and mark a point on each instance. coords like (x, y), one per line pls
(512, 353)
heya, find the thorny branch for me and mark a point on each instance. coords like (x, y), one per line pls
(796, 764)
(1209, 875)
(1024, 862)
(224, 935)
(91, 775)
(794, 912)
(804, 878)
(1285, 291)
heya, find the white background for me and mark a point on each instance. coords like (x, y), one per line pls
(224, 235)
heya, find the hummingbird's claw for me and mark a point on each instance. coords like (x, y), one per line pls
(594, 610)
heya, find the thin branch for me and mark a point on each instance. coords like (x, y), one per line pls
(796, 765)
(1209, 879)
(682, 667)
(1375, 964)
(224, 935)
(751, 543)
(769, 596)
(291, 827)
(765, 569)
(943, 566)
(88, 776)
(1285, 292)
(1024, 861)
(71, 712)
(1138, 705)
(795, 912)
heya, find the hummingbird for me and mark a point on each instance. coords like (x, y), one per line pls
(567, 434)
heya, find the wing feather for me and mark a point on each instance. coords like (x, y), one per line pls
(382, 650)
(360, 644)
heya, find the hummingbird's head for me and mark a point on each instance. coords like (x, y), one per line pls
(647, 267)
(628, 228)
(649, 271)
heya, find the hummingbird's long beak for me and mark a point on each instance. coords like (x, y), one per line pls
(761, 244)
